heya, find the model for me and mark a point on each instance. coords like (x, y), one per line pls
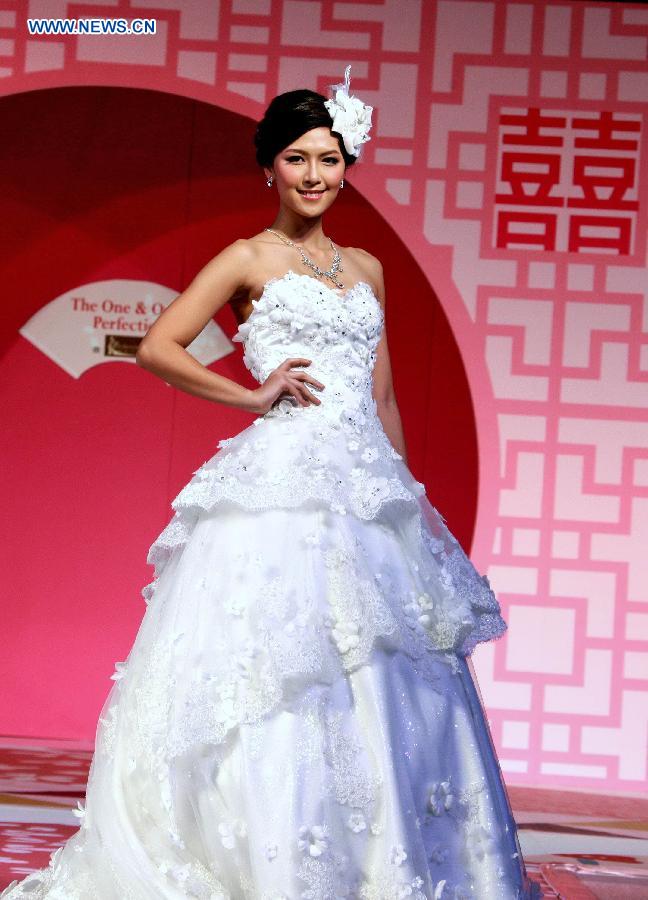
(297, 717)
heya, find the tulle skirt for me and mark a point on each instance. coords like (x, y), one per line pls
(296, 720)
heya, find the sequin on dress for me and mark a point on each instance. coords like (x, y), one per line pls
(296, 719)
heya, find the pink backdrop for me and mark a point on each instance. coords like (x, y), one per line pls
(508, 156)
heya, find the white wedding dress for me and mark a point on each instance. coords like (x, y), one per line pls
(296, 717)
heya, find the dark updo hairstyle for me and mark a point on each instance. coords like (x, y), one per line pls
(288, 116)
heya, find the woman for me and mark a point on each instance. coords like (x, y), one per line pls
(296, 717)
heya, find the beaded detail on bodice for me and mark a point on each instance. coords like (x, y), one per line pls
(299, 316)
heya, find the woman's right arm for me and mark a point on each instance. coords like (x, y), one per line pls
(162, 349)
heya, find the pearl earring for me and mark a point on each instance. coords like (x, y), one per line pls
(269, 181)
(342, 183)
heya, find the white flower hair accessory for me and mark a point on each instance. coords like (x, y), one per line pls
(351, 117)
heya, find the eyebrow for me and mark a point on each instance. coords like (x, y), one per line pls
(305, 152)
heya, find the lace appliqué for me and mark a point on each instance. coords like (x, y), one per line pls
(354, 784)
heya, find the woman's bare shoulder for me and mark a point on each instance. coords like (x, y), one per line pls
(261, 238)
(365, 255)
(365, 259)
(245, 254)
(371, 266)
(245, 247)
(241, 250)
(260, 250)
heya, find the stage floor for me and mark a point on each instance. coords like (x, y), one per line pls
(577, 845)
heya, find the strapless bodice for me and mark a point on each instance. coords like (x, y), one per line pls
(299, 316)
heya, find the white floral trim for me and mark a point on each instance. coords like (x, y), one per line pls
(351, 117)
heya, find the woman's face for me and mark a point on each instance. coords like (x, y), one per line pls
(312, 163)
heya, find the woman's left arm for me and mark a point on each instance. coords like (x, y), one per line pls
(383, 388)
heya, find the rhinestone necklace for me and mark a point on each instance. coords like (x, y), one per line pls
(329, 273)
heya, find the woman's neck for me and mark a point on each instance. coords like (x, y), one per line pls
(305, 232)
